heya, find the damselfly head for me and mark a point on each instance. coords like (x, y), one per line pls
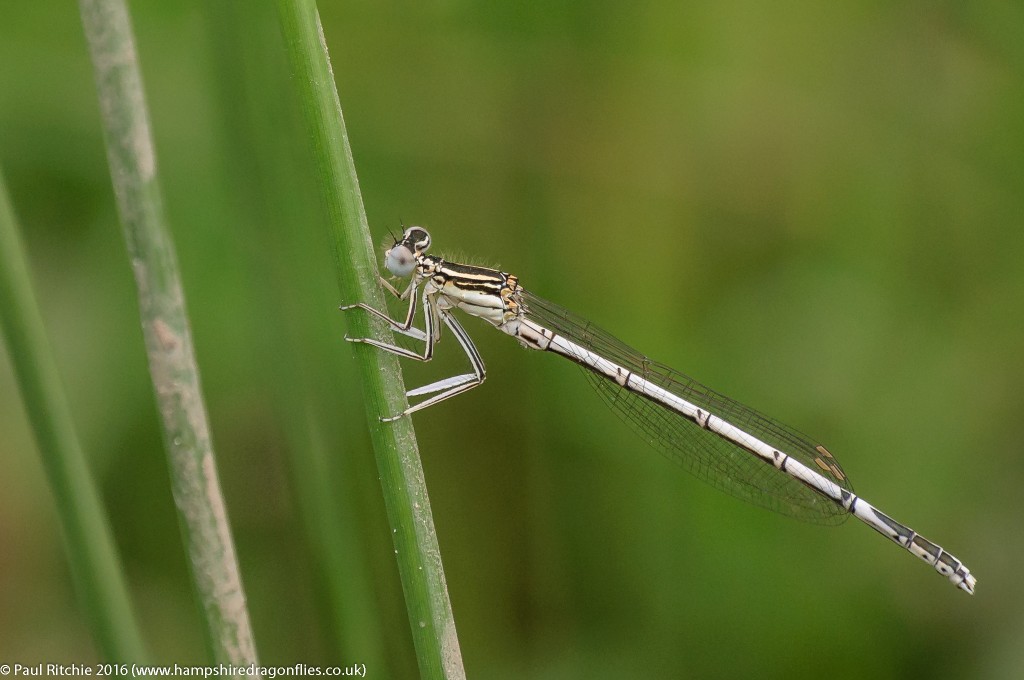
(400, 259)
(417, 239)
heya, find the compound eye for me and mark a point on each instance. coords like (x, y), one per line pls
(400, 261)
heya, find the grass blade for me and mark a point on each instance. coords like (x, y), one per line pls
(95, 567)
(401, 474)
(201, 510)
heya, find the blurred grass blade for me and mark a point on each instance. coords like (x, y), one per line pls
(401, 474)
(273, 186)
(95, 567)
(201, 511)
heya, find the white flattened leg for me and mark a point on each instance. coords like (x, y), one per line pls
(453, 381)
(432, 316)
(449, 387)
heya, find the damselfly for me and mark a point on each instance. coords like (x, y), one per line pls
(723, 442)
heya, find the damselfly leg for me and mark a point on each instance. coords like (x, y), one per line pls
(432, 314)
(405, 328)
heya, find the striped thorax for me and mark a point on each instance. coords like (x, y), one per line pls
(482, 292)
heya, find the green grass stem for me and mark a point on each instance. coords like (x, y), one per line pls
(194, 482)
(92, 555)
(397, 454)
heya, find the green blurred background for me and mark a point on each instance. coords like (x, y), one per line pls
(815, 208)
